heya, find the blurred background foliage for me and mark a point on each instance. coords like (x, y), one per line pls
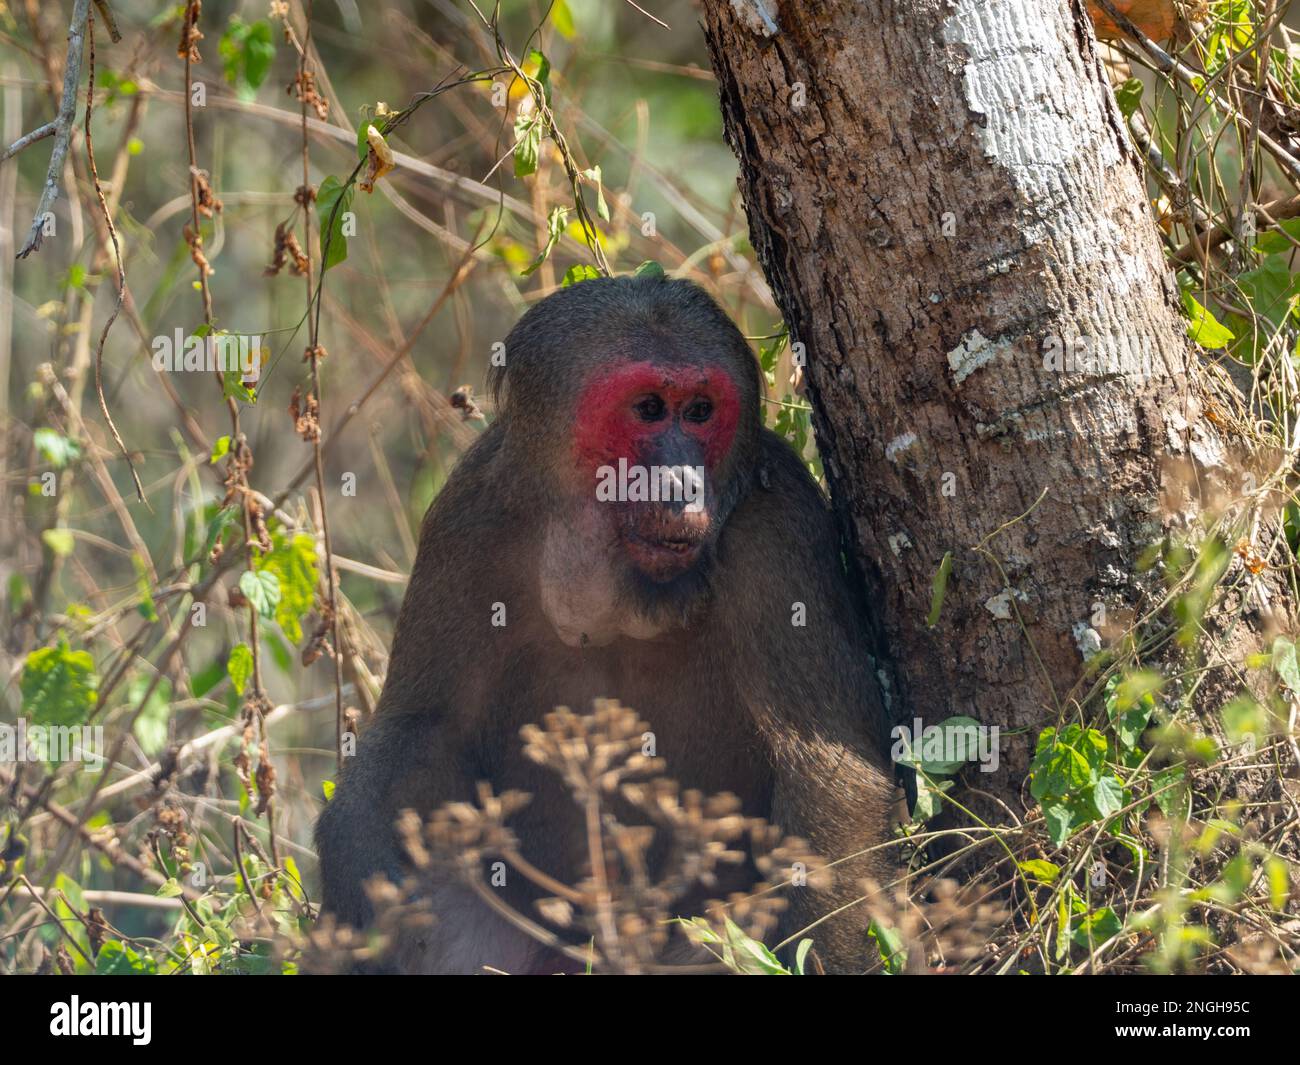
(103, 583)
(219, 724)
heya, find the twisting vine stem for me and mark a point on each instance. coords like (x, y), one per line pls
(240, 460)
(117, 255)
(315, 352)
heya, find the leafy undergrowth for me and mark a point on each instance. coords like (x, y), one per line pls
(1155, 828)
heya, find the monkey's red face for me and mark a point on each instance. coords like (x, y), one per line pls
(649, 438)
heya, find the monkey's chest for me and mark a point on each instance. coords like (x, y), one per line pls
(694, 722)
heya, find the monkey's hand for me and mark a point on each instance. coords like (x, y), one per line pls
(805, 672)
(354, 846)
(397, 766)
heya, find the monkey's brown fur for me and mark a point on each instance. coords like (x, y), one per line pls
(740, 698)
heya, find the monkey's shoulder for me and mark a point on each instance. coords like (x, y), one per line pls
(784, 496)
(472, 495)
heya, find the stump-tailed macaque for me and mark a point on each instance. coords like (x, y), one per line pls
(721, 614)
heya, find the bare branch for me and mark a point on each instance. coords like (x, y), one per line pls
(28, 139)
(114, 34)
(63, 125)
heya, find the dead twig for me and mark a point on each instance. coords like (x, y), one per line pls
(61, 130)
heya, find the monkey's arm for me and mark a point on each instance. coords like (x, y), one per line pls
(413, 753)
(400, 763)
(804, 670)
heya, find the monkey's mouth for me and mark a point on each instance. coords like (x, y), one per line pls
(664, 553)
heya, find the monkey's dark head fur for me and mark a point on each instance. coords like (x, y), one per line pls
(589, 326)
(637, 400)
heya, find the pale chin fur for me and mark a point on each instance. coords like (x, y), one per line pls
(589, 602)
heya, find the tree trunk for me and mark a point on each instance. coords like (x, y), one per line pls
(955, 227)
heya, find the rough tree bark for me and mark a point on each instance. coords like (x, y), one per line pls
(954, 224)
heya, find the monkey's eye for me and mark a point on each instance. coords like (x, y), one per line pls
(699, 411)
(649, 408)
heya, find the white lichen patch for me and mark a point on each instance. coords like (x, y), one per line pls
(1087, 639)
(757, 16)
(898, 445)
(898, 543)
(1000, 605)
(974, 351)
(1015, 51)
(1175, 426)
(1205, 449)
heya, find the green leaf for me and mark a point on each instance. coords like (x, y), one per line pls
(890, 943)
(233, 387)
(150, 726)
(1130, 702)
(1280, 239)
(1279, 882)
(1129, 96)
(115, 958)
(1099, 926)
(69, 917)
(1271, 289)
(1040, 870)
(748, 956)
(293, 878)
(60, 542)
(1244, 718)
(593, 176)
(530, 125)
(554, 230)
(770, 354)
(367, 120)
(1108, 796)
(1203, 327)
(562, 19)
(579, 272)
(649, 268)
(805, 945)
(59, 685)
(541, 66)
(55, 448)
(794, 422)
(333, 201)
(206, 679)
(221, 521)
(1284, 661)
(929, 797)
(260, 51)
(239, 666)
(169, 890)
(953, 743)
(147, 607)
(262, 589)
(1060, 820)
(247, 50)
(219, 449)
(938, 586)
(327, 789)
(293, 562)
